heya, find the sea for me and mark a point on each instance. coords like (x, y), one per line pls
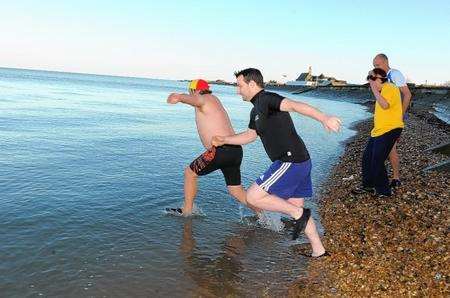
(88, 165)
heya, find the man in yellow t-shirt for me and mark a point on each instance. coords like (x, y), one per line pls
(388, 125)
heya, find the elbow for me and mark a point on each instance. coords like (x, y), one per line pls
(408, 97)
(406, 93)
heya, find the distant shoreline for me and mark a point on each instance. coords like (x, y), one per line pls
(423, 99)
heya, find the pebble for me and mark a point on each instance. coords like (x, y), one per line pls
(383, 247)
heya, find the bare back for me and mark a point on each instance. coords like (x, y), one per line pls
(212, 120)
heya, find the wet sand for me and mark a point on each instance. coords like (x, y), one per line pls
(391, 246)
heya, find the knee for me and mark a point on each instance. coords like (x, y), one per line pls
(238, 193)
(250, 200)
(393, 153)
(188, 173)
(234, 191)
(298, 202)
(251, 197)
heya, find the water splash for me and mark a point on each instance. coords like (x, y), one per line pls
(271, 221)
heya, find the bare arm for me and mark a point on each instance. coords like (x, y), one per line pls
(380, 99)
(289, 105)
(330, 123)
(237, 139)
(193, 100)
(406, 96)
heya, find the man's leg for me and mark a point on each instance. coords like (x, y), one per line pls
(190, 190)
(367, 174)
(310, 230)
(259, 198)
(231, 170)
(238, 192)
(202, 165)
(382, 147)
(394, 160)
(380, 154)
(299, 202)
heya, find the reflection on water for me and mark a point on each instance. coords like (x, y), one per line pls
(244, 265)
(219, 276)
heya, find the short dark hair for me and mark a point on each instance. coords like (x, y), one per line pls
(383, 56)
(205, 92)
(380, 72)
(251, 74)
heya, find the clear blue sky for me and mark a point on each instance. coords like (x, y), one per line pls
(211, 39)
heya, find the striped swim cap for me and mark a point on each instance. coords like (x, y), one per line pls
(198, 85)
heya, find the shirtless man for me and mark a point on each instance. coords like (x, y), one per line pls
(211, 119)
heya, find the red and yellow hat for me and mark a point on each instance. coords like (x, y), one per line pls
(198, 85)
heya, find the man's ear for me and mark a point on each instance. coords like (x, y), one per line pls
(252, 84)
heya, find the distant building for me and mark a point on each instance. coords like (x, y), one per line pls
(307, 79)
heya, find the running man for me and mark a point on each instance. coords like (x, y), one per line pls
(283, 187)
(396, 77)
(211, 119)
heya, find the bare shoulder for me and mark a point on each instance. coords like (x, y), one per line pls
(211, 100)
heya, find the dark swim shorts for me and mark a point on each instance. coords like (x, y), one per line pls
(227, 158)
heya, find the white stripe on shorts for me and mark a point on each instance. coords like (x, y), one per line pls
(275, 176)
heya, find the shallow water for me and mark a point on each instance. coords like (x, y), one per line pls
(442, 111)
(88, 165)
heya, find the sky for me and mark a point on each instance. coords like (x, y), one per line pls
(212, 39)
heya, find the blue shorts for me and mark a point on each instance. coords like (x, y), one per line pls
(287, 179)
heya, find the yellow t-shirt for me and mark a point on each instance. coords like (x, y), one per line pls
(388, 119)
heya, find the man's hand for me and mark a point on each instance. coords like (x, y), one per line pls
(173, 98)
(331, 123)
(218, 141)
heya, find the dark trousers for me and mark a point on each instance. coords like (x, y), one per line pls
(375, 154)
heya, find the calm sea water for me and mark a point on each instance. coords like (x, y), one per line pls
(87, 165)
(442, 111)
